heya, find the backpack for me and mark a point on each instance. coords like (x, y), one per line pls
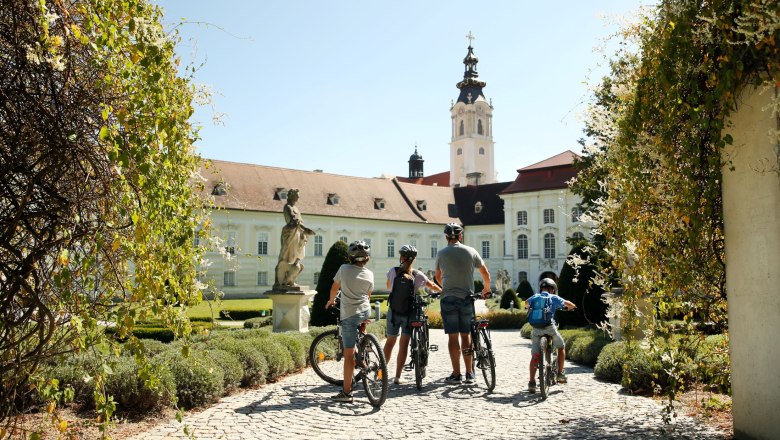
(540, 314)
(402, 295)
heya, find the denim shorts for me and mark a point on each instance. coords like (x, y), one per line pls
(401, 324)
(349, 328)
(456, 314)
(550, 330)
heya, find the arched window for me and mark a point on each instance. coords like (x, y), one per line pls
(549, 246)
(481, 151)
(522, 247)
(462, 129)
(479, 127)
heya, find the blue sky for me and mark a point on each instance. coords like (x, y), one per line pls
(349, 87)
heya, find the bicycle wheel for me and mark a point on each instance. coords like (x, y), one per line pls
(417, 356)
(325, 354)
(552, 371)
(542, 368)
(374, 369)
(486, 361)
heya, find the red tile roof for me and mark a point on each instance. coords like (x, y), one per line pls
(565, 158)
(552, 173)
(440, 179)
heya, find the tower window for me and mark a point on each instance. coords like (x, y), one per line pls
(460, 151)
(481, 151)
(478, 207)
(479, 127)
(462, 129)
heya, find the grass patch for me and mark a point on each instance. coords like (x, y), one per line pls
(204, 310)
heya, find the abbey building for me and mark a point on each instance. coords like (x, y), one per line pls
(519, 226)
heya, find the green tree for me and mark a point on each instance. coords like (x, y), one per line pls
(576, 285)
(99, 203)
(524, 290)
(337, 255)
(509, 299)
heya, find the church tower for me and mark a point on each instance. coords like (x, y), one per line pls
(471, 148)
(416, 165)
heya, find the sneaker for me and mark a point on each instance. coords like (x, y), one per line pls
(562, 377)
(532, 387)
(454, 378)
(342, 397)
(398, 381)
(469, 378)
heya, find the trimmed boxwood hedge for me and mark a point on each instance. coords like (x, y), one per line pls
(199, 379)
(243, 314)
(130, 391)
(253, 361)
(264, 321)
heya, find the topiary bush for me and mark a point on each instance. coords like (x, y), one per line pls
(264, 321)
(524, 290)
(298, 345)
(629, 365)
(509, 300)
(276, 355)
(577, 287)
(232, 369)
(199, 380)
(525, 331)
(130, 391)
(337, 255)
(253, 361)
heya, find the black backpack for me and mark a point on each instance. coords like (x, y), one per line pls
(402, 295)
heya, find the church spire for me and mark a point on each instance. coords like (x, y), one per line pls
(471, 86)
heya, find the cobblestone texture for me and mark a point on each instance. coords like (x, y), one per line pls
(299, 407)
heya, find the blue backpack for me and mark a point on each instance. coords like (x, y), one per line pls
(541, 313)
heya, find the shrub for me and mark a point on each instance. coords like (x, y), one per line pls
(504, 319)
(276, 355)
(713, 363)
(434, 320)
(315, 331)
(264, 321)
(337, 255)
(243, 314)
(253, 361)
(232, 369)
(524, 290)
(629, 365)
(509, 300)
(130, 391)
(525, 331)
(576, 286)
(584, 345)
(298, 346)
(199, 380)
(73, 371)
(153, 347)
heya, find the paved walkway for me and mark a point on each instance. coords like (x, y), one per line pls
(298, 407)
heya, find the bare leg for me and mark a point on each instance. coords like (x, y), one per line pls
(533, 365)
(403, 350)
(561, 358)
(454, 348)
(349, 368)
(468, 358)
(389, 344)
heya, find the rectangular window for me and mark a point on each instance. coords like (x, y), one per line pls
(522, 247)
(262, 244)
(549, 246)
(368, 242)
(522, 218)
(390, 248)
(522, 276)
(413, 242)
(575, 214)
(262, 278)
(485, 249)
(316, 278)
(230, 243)
(344, 239)
(229, 278)
(318, 245)
(549, 216)
(434, 248)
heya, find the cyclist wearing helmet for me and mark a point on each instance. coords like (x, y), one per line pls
(356, 283)
(455, 266)
(547, 290)
(397, 323)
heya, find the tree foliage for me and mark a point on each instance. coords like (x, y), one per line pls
(337, 255)
(576, 285)
(98, 196)
(657, 128)
(524, 290)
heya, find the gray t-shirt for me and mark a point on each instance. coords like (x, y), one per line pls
(356, 282)
(457, 263)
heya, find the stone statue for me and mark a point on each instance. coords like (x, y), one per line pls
(294, 237)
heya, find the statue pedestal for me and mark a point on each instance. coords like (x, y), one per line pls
(291, 308)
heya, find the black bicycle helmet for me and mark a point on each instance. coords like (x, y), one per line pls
(547, 282)
(453, 230)
(408, 251)
(359, 250)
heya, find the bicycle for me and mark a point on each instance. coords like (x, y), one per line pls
(482, 347)
(419, 341)
(547, 366)
(370, 364)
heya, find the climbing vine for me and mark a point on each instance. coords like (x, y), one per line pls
(651, 174)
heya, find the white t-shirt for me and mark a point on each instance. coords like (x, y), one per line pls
(355, 282)
(420, 279)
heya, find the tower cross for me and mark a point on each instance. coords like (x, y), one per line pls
(471, 37)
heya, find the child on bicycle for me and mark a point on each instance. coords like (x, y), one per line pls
(396, 322)
(547, 295)
(356, 283)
